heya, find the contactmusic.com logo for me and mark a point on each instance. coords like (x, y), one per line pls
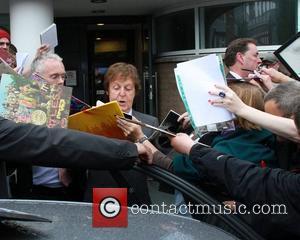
(110, 207)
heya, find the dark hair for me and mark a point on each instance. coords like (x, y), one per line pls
(285, 95)
(237, 45)
(12, 49)
(124, 70)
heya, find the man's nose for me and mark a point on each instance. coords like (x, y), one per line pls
(5, 46)
(259, 60)
(61, 80)
(122, 91)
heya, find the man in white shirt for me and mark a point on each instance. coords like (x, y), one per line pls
(241, 57)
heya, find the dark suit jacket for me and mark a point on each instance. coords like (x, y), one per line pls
(133, 180)
(146, 119)
(229, 75)
(34, 145)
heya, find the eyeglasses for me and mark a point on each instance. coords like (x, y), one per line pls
(57, 76)
(4, 43)
(54, 77)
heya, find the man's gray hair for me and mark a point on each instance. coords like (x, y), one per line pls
(296, 113)
(38, 63)
(285, 95)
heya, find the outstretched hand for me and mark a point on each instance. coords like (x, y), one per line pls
(182, 143)
(265, 81)
(276, 76)
(42, 50)
(145, 153)
(39, 52)
(132, 131)
(230, 101)
(185, 120)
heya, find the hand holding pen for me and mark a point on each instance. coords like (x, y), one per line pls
(261, 80)
(276, 76)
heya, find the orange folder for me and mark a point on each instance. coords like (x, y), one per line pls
(99, 120)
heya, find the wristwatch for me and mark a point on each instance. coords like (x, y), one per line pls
(143, 139)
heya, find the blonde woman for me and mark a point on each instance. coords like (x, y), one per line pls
(249, 141)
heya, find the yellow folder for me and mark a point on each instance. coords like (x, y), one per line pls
(99, 120)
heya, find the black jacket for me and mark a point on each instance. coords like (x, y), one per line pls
(135, 181)
(56, 147)
(252, 185)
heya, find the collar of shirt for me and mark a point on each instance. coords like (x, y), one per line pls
(235, 75)
(130, 112)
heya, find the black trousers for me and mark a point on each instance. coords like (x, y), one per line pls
(47, 193)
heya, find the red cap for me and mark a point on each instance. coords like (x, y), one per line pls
(4, 34)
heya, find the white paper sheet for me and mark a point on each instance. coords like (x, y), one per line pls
(194, 79)
(21, 59)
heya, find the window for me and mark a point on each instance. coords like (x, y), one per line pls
(4, 21)
(269, 22)
(175, 31)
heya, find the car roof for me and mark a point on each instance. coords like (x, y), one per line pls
(72, 220)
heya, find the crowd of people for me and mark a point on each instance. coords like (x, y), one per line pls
(257, 163)
(27, 144)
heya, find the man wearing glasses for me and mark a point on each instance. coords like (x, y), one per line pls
(45, 182)
(4, 39)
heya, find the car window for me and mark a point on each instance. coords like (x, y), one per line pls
(172, 194)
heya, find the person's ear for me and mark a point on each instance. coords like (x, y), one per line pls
(240, 58)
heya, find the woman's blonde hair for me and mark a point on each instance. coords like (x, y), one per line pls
(251, 95)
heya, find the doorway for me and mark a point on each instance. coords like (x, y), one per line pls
(89, 48)
(106, 47)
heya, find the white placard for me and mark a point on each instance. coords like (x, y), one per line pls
(195, 79)
(49, 36)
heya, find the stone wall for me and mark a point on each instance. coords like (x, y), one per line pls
(168, 95)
